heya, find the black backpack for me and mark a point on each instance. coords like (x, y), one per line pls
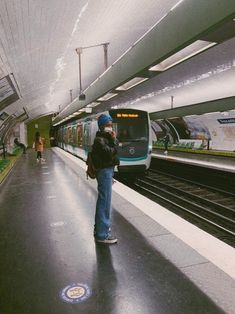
(91, 171)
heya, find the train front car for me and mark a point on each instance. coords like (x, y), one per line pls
(134, 135)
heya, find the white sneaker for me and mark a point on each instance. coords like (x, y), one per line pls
(166, 152)
(108, 240)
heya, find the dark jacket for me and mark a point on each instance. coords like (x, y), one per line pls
(104, 152)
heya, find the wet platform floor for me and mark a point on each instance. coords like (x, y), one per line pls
(46, 244)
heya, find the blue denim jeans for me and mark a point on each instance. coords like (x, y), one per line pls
(103, 205)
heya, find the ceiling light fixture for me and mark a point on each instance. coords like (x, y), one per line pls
(182, 55)
(107, 96)
(133, 82)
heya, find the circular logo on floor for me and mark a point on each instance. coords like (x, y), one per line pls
(75, 293)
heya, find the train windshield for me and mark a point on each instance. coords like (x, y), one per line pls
(131, 130)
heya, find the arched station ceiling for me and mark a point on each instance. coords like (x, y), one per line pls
(38, 41)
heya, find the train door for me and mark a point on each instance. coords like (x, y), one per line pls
(79, 135)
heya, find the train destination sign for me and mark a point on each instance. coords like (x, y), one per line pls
(127, 115)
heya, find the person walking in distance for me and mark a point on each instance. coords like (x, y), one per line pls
(104, 156)
(166, 140)
(39, 146)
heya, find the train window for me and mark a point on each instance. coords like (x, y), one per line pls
(86, 135)
(79, 135)
(70, 135)
(74, 135)
(134, 130)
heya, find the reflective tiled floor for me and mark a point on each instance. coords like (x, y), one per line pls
(46, 244)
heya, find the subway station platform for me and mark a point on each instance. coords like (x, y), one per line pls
(203, 160)
(50, 263)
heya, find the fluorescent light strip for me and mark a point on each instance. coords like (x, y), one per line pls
(213, 112)
(176, 5)
(107, 97)
(182, 55)
(135, 81)
(93, 104)
(88, 110)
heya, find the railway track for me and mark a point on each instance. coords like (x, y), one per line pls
(209, 208)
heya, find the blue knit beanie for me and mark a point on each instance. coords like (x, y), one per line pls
(103, 119)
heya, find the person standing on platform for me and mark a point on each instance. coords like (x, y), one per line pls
(104, 156)
(166, 140)
(39, 146)
(21, 145)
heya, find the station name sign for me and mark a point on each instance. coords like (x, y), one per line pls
(226, 121)
(127, 115)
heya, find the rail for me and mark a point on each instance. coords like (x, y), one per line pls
(209, 208)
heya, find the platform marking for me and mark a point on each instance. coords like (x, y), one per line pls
(46, 173)
(44, 167)
(75, 293)
(57, 224)
(51, 196)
